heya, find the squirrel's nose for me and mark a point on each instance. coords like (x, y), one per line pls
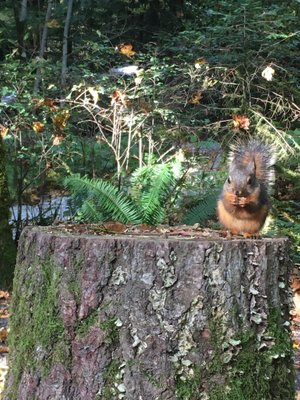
(238, 193)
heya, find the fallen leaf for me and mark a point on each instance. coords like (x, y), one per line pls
(4, 313)
(296, 345)
(241, 122)
(4, 349)
(114, 227)
(3, 334)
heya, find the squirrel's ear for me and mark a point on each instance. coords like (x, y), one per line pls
(252, 167)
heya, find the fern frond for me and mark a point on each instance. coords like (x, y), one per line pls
(105, 197)
(140, 181)
(152, 201)
(203, 210)
(90, 212)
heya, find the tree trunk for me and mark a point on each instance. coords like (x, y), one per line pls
(7, 247)
(149, 317)
(20, 20)
(43, 46)
(64, 68)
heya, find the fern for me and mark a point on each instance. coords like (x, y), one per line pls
(90, 212)
(203, 210)
(102, 198)
(151, 189)
(151, 186)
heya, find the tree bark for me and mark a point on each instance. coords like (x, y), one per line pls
(7, 247)
(137, 317)
(20, 20)
(43, 46)
(64, 68)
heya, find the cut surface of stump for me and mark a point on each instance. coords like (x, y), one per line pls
(146, 317)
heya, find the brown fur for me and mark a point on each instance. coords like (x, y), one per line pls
(238, 220)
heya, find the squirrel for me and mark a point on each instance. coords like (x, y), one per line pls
(244, 202)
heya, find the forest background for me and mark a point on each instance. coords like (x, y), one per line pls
(131, 106)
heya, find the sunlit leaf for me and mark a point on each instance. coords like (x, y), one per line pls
(53, 23)
(126, 49)
(196, 98)
(3, 131)
(57, 139)
(268, 73)
(200, 61)
(94, 93)
(38, 126)
(119, 97)
(241, 122)
(60, 119)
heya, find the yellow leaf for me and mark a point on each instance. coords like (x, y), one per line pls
(200, 61)
(138, 80)
(126, 49)
(241, 122)
(57, 140)
(94, 93)
(53, 23)
(196, 98)
(38, 126)
(60, 119)
(3, 131)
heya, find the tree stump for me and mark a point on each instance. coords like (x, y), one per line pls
(142, 317)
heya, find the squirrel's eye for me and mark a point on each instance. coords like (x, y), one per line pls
(229, 180)
(249, 180)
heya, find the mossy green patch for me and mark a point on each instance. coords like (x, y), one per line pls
(188, 387)
(85, 324)
(73, 281)
(37, 338)
(111, 329)
(109, 326)
(257, 372)
(110, 379)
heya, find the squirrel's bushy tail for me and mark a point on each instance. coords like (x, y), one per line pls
(261, 156)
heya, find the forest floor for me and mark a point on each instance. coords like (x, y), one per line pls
(4, 350)
(4, 314)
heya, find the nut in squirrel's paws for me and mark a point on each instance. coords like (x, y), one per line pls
(237, 200)
(242, 201)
